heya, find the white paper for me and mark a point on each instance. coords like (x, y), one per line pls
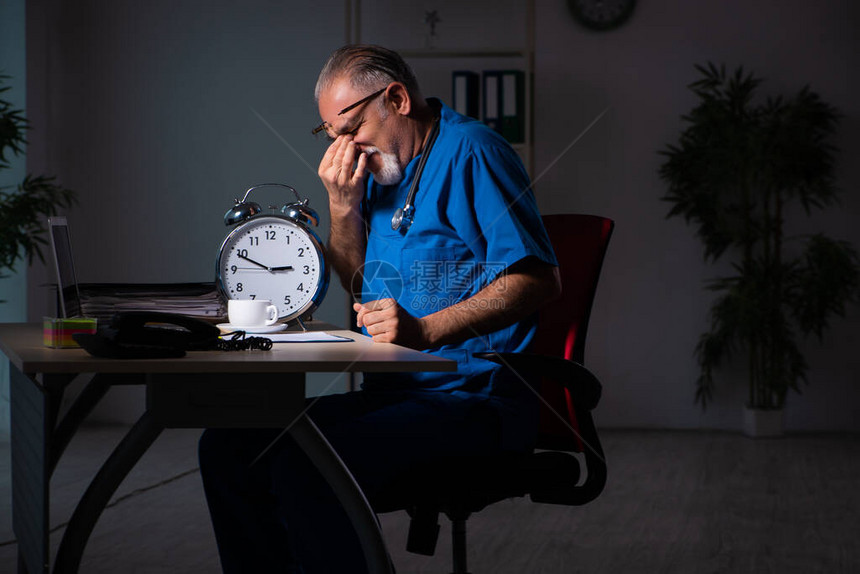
(305, 337)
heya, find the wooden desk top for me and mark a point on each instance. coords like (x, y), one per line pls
(22, 344)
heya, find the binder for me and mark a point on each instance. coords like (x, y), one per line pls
(492, 100)
(513, 118)
(465, 91)
(504, 103)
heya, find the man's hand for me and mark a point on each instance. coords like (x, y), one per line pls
(344, 177)
(526, 286)
(388, 322)
(342, 171)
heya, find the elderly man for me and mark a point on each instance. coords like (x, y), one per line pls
(435, 232)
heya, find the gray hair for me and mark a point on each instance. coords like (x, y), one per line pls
(368, 67)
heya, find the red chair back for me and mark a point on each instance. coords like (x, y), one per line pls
(580, 243)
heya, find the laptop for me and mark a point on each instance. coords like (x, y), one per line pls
(68, 291)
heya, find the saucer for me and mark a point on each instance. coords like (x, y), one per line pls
(252, 329)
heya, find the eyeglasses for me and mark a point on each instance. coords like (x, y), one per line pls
(328, 128)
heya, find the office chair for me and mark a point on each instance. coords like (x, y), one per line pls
(568, 446)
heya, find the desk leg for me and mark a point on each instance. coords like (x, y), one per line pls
(90, 396)
(318, 449)
(30, 411)
(103, 486)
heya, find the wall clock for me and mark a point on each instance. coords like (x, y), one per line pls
(274, 256)
(601, 14)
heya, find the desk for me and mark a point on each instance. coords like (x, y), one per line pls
(203, 389)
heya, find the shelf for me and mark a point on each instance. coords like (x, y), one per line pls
(446, 54)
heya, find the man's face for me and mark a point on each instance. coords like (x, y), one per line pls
(366, 124)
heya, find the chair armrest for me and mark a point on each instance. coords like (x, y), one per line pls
(585, 391)
(584, 387)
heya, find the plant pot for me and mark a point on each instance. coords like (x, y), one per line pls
(761, 423)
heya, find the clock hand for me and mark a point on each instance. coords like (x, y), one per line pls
(282, 268)
(246, 258)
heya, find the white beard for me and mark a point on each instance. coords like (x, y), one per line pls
(389, 172)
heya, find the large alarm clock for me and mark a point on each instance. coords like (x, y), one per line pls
(275, 256)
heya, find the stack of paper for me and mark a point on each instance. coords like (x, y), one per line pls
(103, 300)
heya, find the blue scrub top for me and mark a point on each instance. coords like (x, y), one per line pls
(475, 215)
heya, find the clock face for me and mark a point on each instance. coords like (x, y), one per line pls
(270, 257)
(602, 14)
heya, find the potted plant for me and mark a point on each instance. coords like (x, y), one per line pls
(24, 208)
(740, 163)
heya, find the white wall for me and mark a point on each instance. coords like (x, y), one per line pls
(148, 110)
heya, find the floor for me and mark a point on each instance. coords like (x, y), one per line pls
(683, 502)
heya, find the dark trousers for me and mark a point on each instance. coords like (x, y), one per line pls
(280, 515)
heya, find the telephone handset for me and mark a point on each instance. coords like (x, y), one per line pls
(149, 334)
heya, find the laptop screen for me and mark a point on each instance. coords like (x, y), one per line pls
(67, 284)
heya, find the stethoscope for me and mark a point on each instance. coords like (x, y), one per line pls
(404, 216)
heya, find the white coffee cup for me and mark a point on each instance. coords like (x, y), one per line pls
(251, 312)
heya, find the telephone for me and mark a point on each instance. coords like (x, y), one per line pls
(149, 334)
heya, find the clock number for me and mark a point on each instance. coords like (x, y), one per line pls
(301, 287)
(270, 235)
(307, 270)
(286, 300)
(254, 240)
(301, 251)
(233, 269)
(288, 239)
(252, 296)
(239, 287)
(242, 252)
